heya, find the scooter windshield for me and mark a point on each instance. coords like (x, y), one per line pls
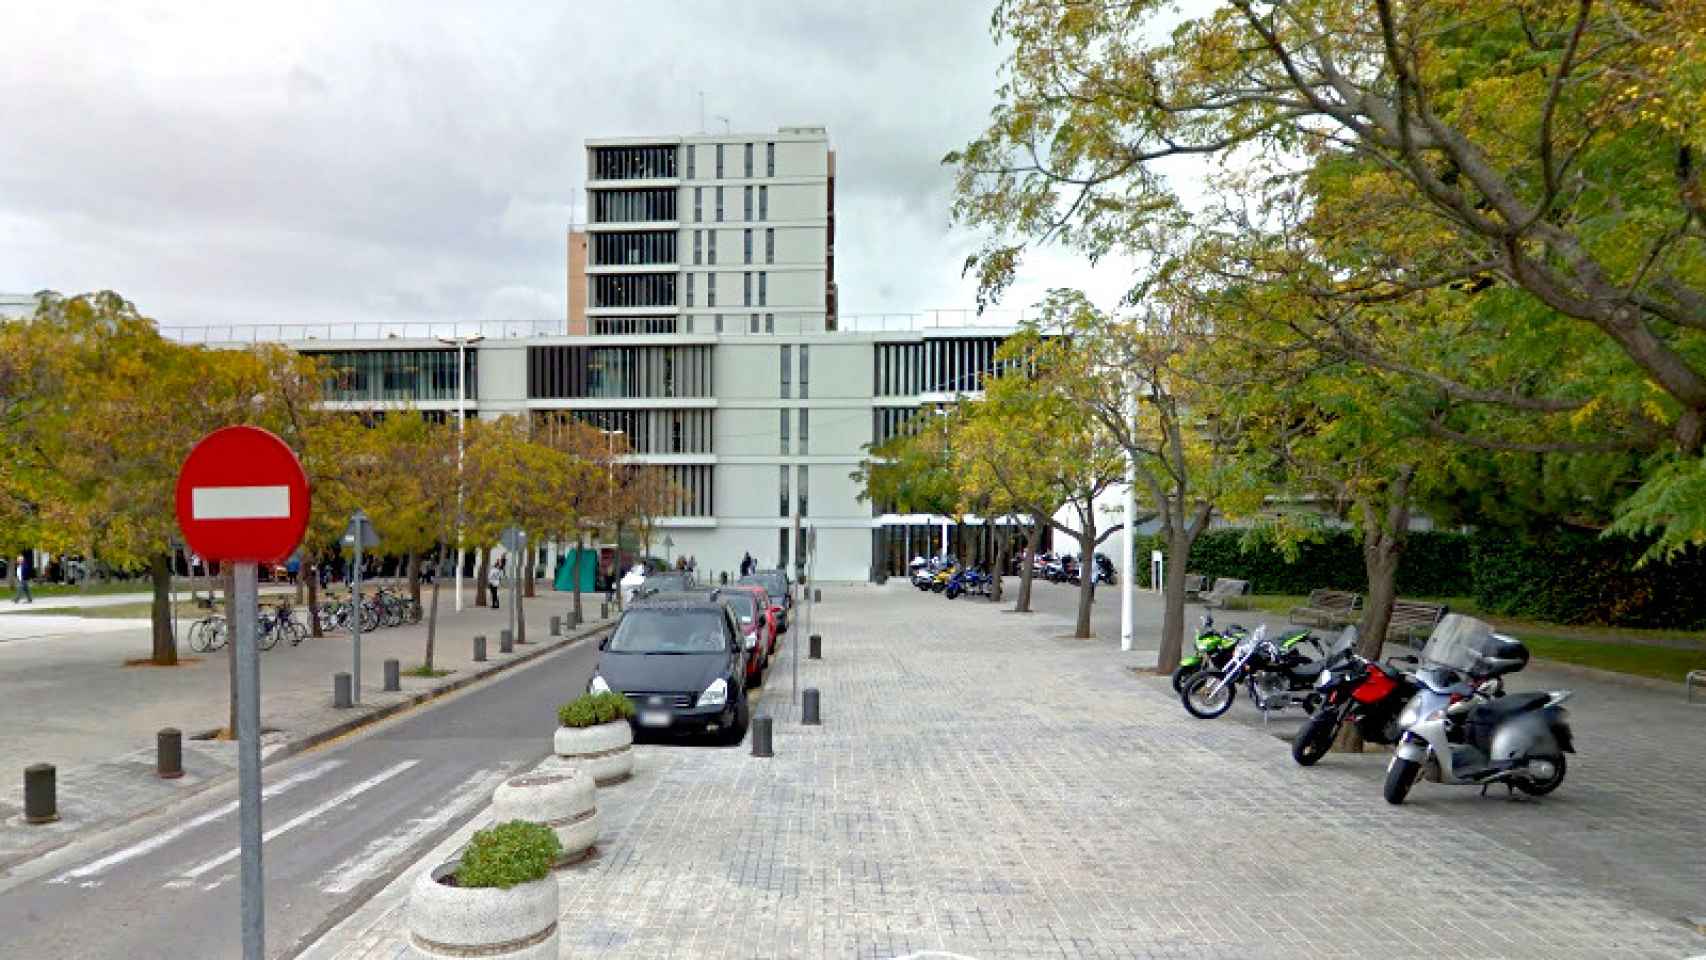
(1459, 642)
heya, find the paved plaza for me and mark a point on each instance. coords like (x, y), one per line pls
(983, 786)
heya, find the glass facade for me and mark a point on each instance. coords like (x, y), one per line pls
(633, 163)
(394, 375)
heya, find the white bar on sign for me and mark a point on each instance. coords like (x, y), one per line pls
(240, 503)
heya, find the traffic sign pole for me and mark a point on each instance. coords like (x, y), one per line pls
(249, 763)
(355, 618)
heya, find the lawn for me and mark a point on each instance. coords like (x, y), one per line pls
(1663, 654)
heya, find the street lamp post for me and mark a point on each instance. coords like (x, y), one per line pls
(462, 344)
(610, 504)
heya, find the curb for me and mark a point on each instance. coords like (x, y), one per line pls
(1610, 676)
(302, 744)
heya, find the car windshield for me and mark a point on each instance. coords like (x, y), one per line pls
(744, 602)
(773, 583)
(651, 630)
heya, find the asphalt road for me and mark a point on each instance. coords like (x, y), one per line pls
(338, 822)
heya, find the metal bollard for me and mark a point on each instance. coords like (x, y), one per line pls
(815, 647)
(556, 626)
(480, 648)
(393, 676)
(575, 618)
(604, 610)
(817, 595)
(506, 641)
(809, 708)
(169, 753)
(341, 687)
(41, 794)
(761, 737)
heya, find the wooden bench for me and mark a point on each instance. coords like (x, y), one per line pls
(1226, 591)
(1327, 608)
(1194, 583)
(1413, 620)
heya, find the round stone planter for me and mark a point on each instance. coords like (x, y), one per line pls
(606, 751)
(515, 924)
(561, 798)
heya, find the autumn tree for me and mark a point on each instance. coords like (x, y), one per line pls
(585, 487)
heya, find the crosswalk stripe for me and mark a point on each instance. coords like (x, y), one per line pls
(301, 818)
(373, 859)
(159, 840)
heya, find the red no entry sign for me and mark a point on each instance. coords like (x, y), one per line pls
(242, 496)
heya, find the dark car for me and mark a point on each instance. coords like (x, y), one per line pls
(682, 661)
(775, 583)
(670, 581)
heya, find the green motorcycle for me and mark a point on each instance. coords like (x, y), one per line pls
(1214, 651)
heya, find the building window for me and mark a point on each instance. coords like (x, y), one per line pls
(763, 203)
(746, 208)
(620, 372)
(787, 371)
(691, 152)
(784, 413)
(805, 436)
(633, 163)
(634, 290)
(782, 545)
(687, 284)
(617, 249)
(770, 323)
(805, 370)
(632, 206)
(719, 162)
(782, 492)
(746, 291)
(687, 324)
(769, 244)
(769, 160)
(748, 246)
(719, 323)
(752, 323)
(800, 482)
(710, 289)
(764, 290)
(698, 247)
(711, 247)
(749, 161)
(698, 204)
(719, 204)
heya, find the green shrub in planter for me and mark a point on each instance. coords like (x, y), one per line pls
(593, 709)
(508, 854)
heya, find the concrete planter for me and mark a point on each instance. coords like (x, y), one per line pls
(515, 924)
(561, 798)
(606, 751)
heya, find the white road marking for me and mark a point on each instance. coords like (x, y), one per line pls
(379, 853)
(161, 839)
(240, 503)
(355, 791)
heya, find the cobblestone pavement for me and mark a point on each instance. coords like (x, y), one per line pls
(982, 787)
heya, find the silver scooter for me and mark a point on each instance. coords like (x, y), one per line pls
(1461, 728)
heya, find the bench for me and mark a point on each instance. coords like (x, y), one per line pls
(1194, 583)
(1226, 590)
(1327, 608)
(1413, 620)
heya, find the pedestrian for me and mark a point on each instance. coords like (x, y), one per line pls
(746, 564)
(494, 577)
(692, 564)
(21, 582)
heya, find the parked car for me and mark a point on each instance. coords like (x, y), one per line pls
(752, 610)
(775, 583)
(671, 581)
(682, 661)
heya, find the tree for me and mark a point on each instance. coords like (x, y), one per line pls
(422, 454)
(582, 492)
(1544, 157)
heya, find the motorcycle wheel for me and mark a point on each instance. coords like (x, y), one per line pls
(1182, 674)
(952, 592)
(1540, 788)
(1314, 741)
(1196, 701)
(1400, 777)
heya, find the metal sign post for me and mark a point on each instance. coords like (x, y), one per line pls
(249, 762)
(514, 540)
(358, 534)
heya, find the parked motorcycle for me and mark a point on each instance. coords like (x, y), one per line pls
(1360, 692)
(1460, 728)
(1277, 674)
(1214, 651)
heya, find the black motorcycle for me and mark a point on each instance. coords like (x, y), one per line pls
(1276, 673)
(1357, 691)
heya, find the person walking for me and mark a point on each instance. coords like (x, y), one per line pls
(746, 563)
(494, 579)
(21, 582)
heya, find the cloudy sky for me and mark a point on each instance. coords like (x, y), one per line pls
(336, 162)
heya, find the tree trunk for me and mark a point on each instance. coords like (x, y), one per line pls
(165, 643)
(1173, 586)
(996, 569)
(1086, 582)
(616, 574)
(1023, 604)
(520, 614)
(480, 576)
(432, 626)
(575, 569)
(313, 578)
(414, 573)
(532, 560)
(1382, 549)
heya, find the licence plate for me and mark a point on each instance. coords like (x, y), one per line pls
(654, 718)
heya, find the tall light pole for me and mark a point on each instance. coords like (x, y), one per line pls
(462, 344)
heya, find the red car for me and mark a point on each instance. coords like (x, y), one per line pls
(756, 614)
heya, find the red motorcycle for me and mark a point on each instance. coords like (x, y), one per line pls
(1358, 691)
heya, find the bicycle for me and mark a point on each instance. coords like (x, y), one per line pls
(209, 633)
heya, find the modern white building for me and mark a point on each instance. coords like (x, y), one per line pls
(14, 305)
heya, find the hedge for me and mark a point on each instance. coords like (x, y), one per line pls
(1562, 576)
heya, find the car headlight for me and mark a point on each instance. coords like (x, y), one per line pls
(598, 685)
(716, 694)
(1324, 679)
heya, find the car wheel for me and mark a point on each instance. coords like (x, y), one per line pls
(735, 734)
